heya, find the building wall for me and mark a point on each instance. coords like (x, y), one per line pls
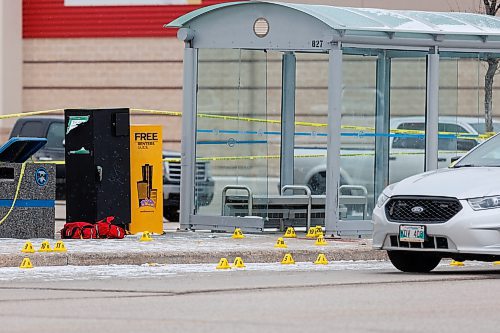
(11, 65)
(143, 73)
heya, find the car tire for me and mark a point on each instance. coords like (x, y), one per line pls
(413, 262)
(171, 214)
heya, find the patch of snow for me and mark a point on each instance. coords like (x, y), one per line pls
(152, 270)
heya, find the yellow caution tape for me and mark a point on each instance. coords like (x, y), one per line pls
(162, 112)
(49, 162)
(312, 124)
(259, 157)
(361, 129)
(27, 114)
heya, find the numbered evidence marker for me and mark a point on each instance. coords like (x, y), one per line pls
(287, 260)
(238, 263)
(237, 234)
(45, 247)
(321, 260)
(311, 233)
(60, 246)
(146, 237)
(223, 264)
(280, 243)
(26, 263)
(318, 231)
(290, 233)
(320, 241)
(28, 248)
(456, 263)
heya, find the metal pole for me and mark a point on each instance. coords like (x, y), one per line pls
(188, 143)
(382, 123)
(333, 148)
(287, 118)
(432, 111)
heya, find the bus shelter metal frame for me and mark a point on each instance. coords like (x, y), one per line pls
(205, 28)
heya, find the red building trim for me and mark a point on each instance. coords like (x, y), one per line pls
(52, 19)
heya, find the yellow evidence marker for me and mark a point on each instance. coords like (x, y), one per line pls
(318, 231)
(311, 233)
(280, 243)
(321, 260)
(223, 264)
(28, 248)
(146, 237)
(237, 234)
(290, 233)
(45, 247)
(238, 263)
(26, 263)
(60, 246)
(287, 260)
(320, 241)
(456, 263)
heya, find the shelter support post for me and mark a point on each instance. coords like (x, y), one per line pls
(287, 118)
(333, 145)
(382, 122)
(188, 144)
(432, 111)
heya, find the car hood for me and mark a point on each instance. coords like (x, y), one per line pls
(460, 183)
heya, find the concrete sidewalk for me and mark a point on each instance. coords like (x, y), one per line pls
(176, 247)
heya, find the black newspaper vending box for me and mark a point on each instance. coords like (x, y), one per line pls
(97, 148)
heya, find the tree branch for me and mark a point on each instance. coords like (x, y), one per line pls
(490, 7)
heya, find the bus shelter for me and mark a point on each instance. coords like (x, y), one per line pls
(320, 107)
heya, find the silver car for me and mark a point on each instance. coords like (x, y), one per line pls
(446, 213)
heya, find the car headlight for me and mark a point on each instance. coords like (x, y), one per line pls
(485, 203)
(382, 198)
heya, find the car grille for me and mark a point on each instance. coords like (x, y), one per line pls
(421, 209)
(173, 171)
(429, 243)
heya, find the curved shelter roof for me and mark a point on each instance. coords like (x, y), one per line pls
(290, 25)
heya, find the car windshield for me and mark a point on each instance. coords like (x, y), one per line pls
(487, 154)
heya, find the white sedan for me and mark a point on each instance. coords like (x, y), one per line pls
(446, 213)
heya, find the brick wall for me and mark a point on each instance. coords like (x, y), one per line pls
(106, 72)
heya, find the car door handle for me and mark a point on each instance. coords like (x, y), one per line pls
(441, 159)
(392, 158)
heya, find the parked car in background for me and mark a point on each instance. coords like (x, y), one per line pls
(406, 153)
(204, 188)
(52, 128)
(446, 213)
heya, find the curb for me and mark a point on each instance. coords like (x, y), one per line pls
(175, 257)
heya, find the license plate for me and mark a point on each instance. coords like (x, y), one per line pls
(412, 233)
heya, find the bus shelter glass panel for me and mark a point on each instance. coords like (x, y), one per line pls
(358, 119)
(311, 117)
(407, 124)
(357, 155)
(459, 124)
(471, 105)
(232, 133)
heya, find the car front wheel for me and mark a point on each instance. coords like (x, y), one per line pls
(414, 262)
